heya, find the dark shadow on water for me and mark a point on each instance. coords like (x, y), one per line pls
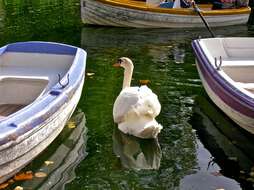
(64, 155)
(232, 148)
(136, 153)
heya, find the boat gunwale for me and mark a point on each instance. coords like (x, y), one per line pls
(177, 11)
(231, 90)
(26, 120)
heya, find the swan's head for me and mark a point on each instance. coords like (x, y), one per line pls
(124, 62)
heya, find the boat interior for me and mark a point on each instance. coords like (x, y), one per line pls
(26, 77)
(237, 60)
(150, 3)
(154, 6)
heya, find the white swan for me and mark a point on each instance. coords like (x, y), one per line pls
(135, 108)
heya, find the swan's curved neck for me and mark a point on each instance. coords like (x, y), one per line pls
(127, 76)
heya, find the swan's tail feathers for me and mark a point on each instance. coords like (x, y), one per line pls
(145, 129)
(151, 130)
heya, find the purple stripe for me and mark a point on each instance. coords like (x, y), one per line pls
(227, 92)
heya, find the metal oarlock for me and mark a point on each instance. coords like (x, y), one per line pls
(59, 81)
(218, 66)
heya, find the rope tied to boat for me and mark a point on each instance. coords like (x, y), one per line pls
(218, 66)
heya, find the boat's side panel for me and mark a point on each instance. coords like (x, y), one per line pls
(238, 106)
(94, 12)
(18, 156)
(241, 119)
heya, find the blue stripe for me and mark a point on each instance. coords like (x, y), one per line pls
(41, 47)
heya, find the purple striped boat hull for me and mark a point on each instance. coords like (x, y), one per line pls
(237, 105)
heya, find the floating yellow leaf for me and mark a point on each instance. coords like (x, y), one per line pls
(252, 174)
(40, 174)
(24, 176)
(47, 162)
(11, 181)
(4, 185)
(144, 82)
(90, 74)
(18, 188)
(71, 124)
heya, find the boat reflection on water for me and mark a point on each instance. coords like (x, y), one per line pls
(108, 37)
(160, 44)
(60, 159)
(136, 153)
(231, 147)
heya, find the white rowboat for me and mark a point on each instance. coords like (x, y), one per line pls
(40, 86)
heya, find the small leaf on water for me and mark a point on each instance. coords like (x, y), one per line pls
(252, 174)
(144, 82)
(47, 162)
(18, 188)
(90, 74)
(24, 176)
(11, 181)
(40, 174)
(71, 125)
(250, 179)
(3, 185)
(233, 158)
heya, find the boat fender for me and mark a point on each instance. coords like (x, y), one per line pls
(217, 66)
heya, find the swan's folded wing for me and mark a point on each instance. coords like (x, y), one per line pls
(148, 103)
(124, 103)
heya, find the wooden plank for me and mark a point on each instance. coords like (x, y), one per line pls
(8, 109)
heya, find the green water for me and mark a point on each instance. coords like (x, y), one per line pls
(191, 137)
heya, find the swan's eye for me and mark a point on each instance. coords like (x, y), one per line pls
(119, 61)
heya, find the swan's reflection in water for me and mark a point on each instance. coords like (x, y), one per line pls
(136, 153)
(179, 53)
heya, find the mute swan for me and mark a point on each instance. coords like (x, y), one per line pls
(135, 108)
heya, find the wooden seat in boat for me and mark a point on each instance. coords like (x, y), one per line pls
(237, 63)
(245, 85)
(8, 109)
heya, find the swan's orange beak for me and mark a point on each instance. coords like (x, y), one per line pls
(117, 65)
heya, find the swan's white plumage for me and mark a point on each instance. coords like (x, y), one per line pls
(139, 100)
(135, 110)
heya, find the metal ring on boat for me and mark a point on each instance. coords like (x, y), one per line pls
(218, 66)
